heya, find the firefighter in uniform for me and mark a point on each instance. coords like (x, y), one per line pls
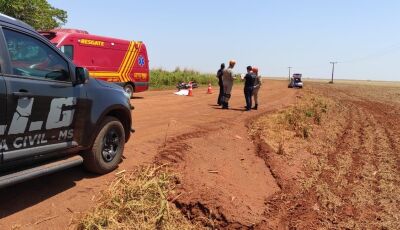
(221, 85)
(227, 80)
(249, 80)
(257, 85)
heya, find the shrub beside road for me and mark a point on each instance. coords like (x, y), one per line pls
(162, 79)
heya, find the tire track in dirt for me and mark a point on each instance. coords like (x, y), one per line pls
(231, 191)
(173, 150)
(216, 202)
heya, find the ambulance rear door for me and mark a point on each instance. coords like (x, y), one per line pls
(141, 69)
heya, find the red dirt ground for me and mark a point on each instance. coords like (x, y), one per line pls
(222, 175)
(351, 164)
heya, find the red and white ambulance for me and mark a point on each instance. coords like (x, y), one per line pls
(114, 60)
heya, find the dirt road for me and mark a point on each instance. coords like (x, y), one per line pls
(221, 173)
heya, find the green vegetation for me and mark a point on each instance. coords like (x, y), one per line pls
(302, 117)
(161, 79)
(138, 200)
(37, 13)
(289, 129)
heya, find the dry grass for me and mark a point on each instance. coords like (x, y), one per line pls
(289, 129)
(304, 115)
(138, 200)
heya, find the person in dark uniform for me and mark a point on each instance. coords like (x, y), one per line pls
(249, 80)
(221, 84)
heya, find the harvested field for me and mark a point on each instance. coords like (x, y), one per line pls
(345, 173)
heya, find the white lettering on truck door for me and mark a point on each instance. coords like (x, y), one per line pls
(21, 116)
(57, 117)
(2, 129)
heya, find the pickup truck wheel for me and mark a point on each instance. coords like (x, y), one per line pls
(107, 149)
(129, 89)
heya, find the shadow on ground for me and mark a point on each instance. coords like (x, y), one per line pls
(24, 195)
(136, 97)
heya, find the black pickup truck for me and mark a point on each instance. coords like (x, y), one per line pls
(52, 115)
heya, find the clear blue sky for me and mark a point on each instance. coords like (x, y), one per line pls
(363, 35)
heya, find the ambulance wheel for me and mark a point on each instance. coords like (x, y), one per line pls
(129, 89)
(107, 149)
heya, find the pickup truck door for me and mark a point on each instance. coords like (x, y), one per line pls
(42, 101)
(3, 124)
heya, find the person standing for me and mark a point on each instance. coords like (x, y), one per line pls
(257, 85)
(249, 80)
(227, 80)
(221, 85)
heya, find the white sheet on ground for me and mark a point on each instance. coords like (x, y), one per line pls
(182, 92)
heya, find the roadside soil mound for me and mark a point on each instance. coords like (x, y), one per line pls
(224, 183)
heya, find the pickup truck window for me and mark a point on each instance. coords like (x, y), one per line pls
(31, 57)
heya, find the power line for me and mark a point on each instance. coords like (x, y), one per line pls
(377, 54)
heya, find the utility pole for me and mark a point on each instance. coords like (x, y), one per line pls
(333, 69)
(289, 71)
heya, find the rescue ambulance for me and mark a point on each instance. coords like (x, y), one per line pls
(113, 60)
